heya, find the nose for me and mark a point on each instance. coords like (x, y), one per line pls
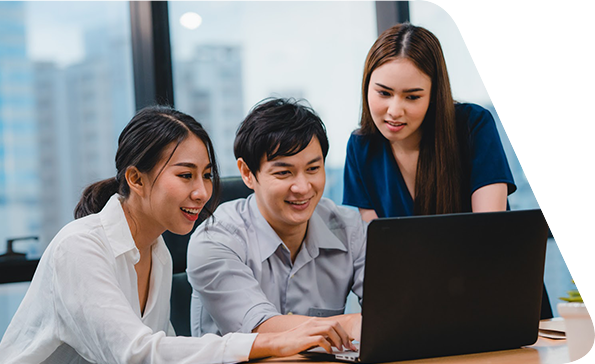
(396, 108)
(301, 185)
(201, 191)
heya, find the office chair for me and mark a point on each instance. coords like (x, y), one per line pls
(181, 290)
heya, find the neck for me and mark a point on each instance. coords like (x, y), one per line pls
(407, 146)
(144, 233)
(293, 238)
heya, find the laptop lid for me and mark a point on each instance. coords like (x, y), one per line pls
(452, 284)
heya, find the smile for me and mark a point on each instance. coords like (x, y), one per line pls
(190, 211)
(303, 202)
(394, 123)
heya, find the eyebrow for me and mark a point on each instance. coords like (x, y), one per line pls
(407, 90)
(191, 165)
(285, 164)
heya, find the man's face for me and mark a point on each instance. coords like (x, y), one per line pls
(289, 188)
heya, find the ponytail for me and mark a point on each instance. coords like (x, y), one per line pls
(95, 197)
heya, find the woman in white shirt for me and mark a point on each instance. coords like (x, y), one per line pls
(101, 291)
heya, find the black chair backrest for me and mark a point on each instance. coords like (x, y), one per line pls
(231, 189)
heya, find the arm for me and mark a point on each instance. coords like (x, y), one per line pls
(368, 214)
(490, 198)
(355, 191)
(98, 321)
(349, 324)
(227, 286)
(310, 333)
(232, 295)
(489, 165)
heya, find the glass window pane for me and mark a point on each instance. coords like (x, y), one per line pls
(235, 54)
(516, 64)
(66, 92)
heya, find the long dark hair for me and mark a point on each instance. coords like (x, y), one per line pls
(441, 182)
(141, 145)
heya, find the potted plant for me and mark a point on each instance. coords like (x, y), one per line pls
(579, 328)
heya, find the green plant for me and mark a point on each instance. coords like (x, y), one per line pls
(588, 295)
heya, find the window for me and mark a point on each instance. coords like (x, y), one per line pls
(65, 94)
(243, 52)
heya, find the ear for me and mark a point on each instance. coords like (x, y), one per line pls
(246, 174)
(136, 181)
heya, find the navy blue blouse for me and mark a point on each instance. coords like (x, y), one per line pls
(373, 180)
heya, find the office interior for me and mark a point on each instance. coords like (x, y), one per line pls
(74, 73)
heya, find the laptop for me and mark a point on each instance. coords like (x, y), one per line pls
(451, 284)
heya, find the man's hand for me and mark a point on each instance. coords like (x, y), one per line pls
(314, 332)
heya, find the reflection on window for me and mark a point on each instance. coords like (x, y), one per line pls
(517, 65)
(65, 94)
(243, 52)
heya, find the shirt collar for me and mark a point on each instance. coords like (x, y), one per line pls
(118, 232)
(319, 235)
(267, 239)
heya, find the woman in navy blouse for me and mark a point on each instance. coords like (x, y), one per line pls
(417, 151)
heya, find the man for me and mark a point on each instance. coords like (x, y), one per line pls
(272, 261)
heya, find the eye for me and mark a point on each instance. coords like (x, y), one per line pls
(208, 175)
(413, 97)
(282, 173)
(185, 175)
(383, 93)
(314, 169)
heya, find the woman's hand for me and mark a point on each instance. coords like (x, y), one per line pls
(314, 332)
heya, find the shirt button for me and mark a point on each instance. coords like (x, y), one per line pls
(290, 313)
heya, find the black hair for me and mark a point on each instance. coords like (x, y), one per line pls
(141, 145)
(277, 127)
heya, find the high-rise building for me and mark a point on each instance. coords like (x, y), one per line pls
(81, 110)
(19, 182)
(209, 87)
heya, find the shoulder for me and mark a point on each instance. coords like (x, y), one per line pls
(475, 115)
(364, 147)
(228, 226)
(232, 216)
(338, 217)
(357, 140)
(81, 237)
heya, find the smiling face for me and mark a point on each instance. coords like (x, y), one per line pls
(181, 188)
(288, 188)
(398, 98)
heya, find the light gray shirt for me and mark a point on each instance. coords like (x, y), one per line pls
(242, 274)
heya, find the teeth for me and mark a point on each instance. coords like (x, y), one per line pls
(190, 211)
(297, 202)
(394, 124)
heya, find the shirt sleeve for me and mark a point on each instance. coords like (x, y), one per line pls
(354, 190)
(97, 320)
(489, 164)
(227, 287)
(358, 247)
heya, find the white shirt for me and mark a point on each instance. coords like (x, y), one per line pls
(242, 274)
(82, 305)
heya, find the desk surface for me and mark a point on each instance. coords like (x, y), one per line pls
(544, 351)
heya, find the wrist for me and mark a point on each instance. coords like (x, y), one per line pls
(264, 346)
